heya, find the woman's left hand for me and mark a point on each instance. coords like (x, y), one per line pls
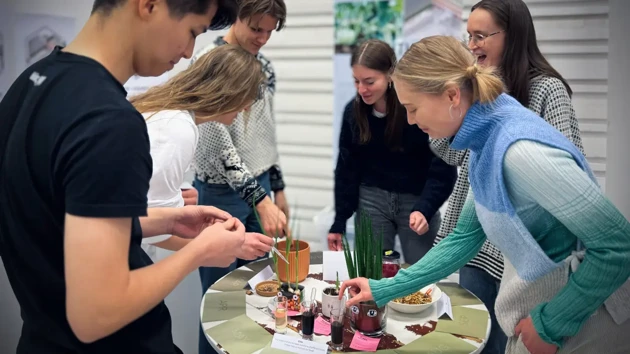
(418, 223)
(531, 339)
(190, 196)
(280, 200)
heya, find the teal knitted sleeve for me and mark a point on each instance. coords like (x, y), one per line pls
(551, 178)
(441, 261)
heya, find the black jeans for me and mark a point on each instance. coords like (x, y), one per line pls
(389, 213)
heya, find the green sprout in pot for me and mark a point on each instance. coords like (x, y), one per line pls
(366, 261)
(368, 250)
(274, 256)
(296, 242)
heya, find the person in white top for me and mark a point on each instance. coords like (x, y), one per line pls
(213, 90)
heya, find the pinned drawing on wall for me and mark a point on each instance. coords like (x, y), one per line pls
(424, 18)
(3, 85)
(37, 35)
(40, 43)
(400, 23)
(5, 79)
(356, 21)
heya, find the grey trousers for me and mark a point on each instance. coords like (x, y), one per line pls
(390, 213)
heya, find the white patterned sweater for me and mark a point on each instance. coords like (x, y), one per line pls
(549, 99)
(237, 154)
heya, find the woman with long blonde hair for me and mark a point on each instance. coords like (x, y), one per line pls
(213, 90)
(565, 284)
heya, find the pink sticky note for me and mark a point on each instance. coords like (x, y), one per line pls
(361, 342)
(292, 313)
(322, 326)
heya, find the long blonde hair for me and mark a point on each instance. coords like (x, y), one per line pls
(224, 80)
(436, 63)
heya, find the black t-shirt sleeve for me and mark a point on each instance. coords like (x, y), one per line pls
(104, 165)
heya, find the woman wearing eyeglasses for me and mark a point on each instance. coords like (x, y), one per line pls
(213, 90)
(502, 35)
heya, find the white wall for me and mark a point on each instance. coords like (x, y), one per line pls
(618, 141)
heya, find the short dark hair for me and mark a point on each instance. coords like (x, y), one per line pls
(274, 8)
(522, 60)
(226, 12)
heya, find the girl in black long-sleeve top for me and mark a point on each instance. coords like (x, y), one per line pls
(385, 166)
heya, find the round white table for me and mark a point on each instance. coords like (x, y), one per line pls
(397, 323)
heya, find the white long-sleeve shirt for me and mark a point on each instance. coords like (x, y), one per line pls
(173, 136)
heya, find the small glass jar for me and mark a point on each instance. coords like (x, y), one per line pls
(391, 263)
(281, 314)
(337, 322)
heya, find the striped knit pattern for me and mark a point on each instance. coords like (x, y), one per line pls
(237, 154)
(549, 99)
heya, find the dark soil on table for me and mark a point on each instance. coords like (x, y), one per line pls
(422, 330)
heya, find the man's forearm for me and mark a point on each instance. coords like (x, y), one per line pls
(143, 290)
(159, 221)
(173, 243)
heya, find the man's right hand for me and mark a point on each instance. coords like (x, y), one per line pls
(334, 242)
(223, 242)
(274, 222)
(219, 245)
(255, 245)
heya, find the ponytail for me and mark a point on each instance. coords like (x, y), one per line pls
(436, 63)
(486, 85)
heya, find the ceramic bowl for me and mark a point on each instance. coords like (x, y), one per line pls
(405, 308)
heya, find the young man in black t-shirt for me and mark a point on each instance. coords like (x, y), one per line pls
(74, 174)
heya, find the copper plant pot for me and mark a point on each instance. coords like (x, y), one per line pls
(304, 261)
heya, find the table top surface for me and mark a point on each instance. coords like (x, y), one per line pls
(401, 328)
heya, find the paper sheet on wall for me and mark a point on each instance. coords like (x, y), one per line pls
(5, 77)
(37, 35)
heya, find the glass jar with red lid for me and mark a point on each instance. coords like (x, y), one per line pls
(391, 263)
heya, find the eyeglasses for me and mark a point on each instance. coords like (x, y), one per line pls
(480, 39)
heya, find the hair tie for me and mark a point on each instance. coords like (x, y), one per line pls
(471, 71)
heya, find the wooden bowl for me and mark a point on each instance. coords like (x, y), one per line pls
(262, 288)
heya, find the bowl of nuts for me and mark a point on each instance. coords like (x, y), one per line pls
(418, 301)
(267, 288)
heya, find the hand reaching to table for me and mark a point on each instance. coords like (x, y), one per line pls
(359, 289)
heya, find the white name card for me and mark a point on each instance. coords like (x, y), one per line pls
(297, 345)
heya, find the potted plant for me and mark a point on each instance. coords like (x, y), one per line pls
(330, 297)
(298, 255)
(366, 261)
